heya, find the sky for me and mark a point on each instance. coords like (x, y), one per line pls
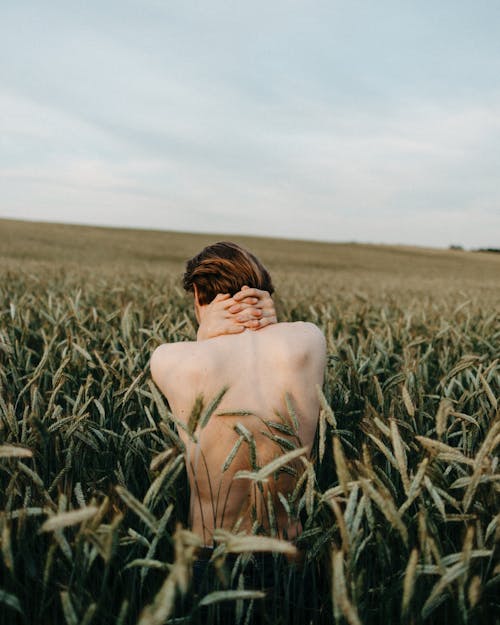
(339, 121)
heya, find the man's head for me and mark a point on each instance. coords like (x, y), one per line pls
(224, 267)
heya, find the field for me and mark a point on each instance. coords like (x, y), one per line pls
(400, 505)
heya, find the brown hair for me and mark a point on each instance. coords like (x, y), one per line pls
(224, 267)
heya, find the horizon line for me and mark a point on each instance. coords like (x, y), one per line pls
(79, 224)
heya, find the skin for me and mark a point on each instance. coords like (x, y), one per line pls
(251, 309)
(258, 368)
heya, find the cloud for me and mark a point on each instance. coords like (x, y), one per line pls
(269, 121)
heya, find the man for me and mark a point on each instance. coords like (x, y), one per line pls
(269, 370)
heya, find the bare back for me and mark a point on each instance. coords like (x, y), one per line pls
(258, 369)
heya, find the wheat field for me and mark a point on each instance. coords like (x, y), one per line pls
(400, 503)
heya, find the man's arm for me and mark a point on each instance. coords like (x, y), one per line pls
(161, 366)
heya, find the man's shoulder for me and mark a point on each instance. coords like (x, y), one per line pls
(302, 330)
(299, 338)
(168, 355)
(169, 350)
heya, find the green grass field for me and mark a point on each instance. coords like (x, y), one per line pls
(400, 507)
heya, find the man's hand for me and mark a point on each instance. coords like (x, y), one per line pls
(254, 308)
(249, 308)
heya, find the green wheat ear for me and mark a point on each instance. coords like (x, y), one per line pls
(212, 406)
(399, 514)
(195, 414)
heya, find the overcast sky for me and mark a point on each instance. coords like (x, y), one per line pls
(353, 120)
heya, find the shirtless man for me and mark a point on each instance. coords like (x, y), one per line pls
(240, 347)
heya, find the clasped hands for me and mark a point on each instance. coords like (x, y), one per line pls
(250, 308)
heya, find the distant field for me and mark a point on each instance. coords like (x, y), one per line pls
(400, 505)
(338, 269)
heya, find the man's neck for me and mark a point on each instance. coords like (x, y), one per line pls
(213, 325)
(208, 329)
